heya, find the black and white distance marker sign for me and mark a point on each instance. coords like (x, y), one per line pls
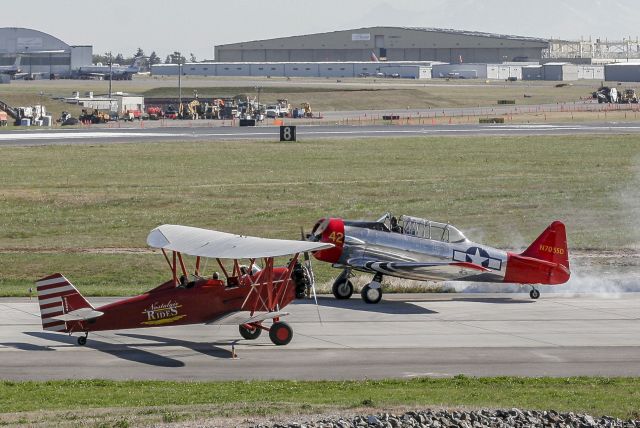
(288, 133)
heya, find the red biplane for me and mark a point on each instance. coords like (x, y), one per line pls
(247, 296)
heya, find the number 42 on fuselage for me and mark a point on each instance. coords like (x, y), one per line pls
(419, 249)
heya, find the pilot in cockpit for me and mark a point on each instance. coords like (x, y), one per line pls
(395, 227)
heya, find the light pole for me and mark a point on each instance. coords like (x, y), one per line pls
(110, 76)
(180, 79)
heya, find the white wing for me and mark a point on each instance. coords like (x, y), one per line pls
(210, 243)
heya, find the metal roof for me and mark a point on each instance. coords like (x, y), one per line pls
(475, 34)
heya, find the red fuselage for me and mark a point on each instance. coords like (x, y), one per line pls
(200, 302)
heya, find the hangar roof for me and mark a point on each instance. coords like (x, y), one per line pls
(22, 40)
(406, 36)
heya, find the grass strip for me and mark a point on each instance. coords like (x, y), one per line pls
(618, 397)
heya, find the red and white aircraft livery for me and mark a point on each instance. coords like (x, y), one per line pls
(419, 249)
(247, 295)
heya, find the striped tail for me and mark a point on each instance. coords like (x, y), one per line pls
(57, 296)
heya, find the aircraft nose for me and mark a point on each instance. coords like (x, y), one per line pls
(329, 230)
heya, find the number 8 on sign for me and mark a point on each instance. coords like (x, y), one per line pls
(287, 133)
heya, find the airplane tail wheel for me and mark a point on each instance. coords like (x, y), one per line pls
(250, 333)
(82, 340)
(280, 333)
(342, 289)
(534, 294)
(371, 295)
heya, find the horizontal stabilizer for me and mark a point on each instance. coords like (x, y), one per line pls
(245, 317)
(79, 315)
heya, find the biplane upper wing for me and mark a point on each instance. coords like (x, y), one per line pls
(210, 243)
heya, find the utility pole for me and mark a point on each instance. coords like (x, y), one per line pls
(179, 79)
(110, 80)
(110, 75)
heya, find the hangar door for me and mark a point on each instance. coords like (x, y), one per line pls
(379, 43)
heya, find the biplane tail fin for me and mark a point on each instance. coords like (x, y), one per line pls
(57, 297)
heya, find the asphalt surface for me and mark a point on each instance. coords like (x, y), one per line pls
(271, 133)
(404, 336)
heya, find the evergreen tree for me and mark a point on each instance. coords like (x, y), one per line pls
(154, 59)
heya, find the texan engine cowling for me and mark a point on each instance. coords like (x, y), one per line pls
(329, 230)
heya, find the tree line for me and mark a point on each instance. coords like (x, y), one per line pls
(145, 60)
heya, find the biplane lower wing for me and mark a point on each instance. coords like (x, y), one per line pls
(245, 317)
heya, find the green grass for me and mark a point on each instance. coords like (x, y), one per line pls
(500, 191)
(616, 397)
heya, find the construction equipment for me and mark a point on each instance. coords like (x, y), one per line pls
(306, 107)
(189, 110)
(171, 112)
(155, 113)
(130, 115)
(94, 116)
(628, 96)
(285, 107)
(606, 95)
(304, 111)
(614, 96)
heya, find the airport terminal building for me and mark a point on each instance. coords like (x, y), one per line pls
(390, 43)
(41, 53)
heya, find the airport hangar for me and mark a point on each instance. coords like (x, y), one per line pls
(41, 53)
(405, 52)
(390, 43)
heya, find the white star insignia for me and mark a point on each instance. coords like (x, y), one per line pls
(477, 259)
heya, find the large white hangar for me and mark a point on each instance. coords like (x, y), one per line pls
(41, 53)
(392, 43)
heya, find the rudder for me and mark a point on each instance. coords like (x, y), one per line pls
(57, 296)
(551, 245)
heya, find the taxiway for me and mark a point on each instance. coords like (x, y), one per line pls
(405, 336)
(96, 135)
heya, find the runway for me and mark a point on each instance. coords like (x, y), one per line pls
(304, 132)
(404, 336)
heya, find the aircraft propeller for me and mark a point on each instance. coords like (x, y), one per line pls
(309, 269)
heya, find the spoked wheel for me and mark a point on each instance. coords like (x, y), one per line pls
(371, 295)
(534, 293)
(342, 289)
(280, 333)
(82, 340)
(249, 332)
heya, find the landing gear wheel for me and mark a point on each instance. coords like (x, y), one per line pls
(534, 293)
(371, 295)
(248, 333)
(342, 289)
(82, 340)
(280, 333)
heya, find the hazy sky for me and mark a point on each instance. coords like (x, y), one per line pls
(197, 25)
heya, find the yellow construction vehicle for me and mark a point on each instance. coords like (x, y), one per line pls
(307, 109)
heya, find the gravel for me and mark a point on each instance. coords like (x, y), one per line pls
(466, 419)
